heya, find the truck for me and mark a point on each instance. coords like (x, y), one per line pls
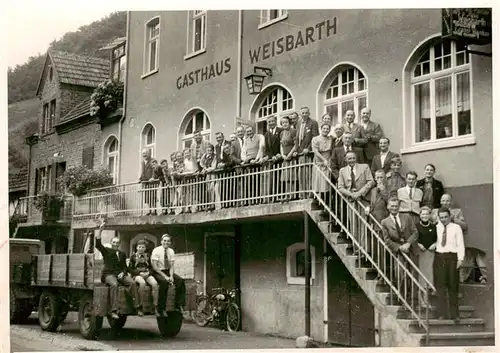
(55, 284)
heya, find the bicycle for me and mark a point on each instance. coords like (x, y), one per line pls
(219, 307)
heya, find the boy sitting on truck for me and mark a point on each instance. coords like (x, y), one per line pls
(140, 268)
(115, 271)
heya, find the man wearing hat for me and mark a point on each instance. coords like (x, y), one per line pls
(163, 261)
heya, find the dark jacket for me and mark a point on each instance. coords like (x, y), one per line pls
(146, 171)
(139, 263)
(377, 162)
(338, 159)
(218, 148)
(437, 191)
(113, 264)
(311, 130)
(272, 147)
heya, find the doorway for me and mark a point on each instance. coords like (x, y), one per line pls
(220, 261)
(351, 317)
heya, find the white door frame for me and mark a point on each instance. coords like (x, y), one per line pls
(210, 234)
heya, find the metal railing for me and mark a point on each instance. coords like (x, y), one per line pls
(26, 212)
(242, 185)
(407, 285)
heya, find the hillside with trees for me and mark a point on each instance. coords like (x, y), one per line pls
(87, 40)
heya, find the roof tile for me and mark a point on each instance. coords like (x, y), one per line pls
(80, 70)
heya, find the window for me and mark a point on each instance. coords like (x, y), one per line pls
(347, 91)
(88, 157)
(440, 93)
(111, 157)
(118, 64)
(152, 46)
(197, 36)
(277, 101)
(49, 115)
(42, 179)
(268, 17)
(295, 263)
(51, 73)
(149, 139)
(195, 120)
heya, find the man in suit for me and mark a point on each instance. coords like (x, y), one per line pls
(372, 133)
(219, 147)
(383, 159)
(237, 144)
(272, 152)
(410, 197)
(401, 236)
(339, 154)
(307, 128)
(198, 147)
(338, 131)
(147, 182)
(294, 118)
(354, 182)
(115, 272)
(354, 129)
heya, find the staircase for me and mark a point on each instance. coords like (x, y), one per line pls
(398, 291)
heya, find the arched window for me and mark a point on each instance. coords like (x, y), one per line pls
(440, 93)
(111, 157)
(149, 139)
(347, 90)
(276, 101)
(196, 119)
(295, 263)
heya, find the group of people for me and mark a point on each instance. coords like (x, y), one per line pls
(415, 214)
(156, 270)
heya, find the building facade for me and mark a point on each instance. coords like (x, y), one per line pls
(185, 71)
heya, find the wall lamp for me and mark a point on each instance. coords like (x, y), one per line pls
(255, 80)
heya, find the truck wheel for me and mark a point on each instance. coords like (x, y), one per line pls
(88, 323)
(48, 312)
(20, 310)
(116, 324)
(171, 325)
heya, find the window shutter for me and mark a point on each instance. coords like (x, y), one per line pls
(37, 181)
(88, 157)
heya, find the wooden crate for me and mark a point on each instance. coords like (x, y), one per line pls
(76, 270)
(43, 269)
(60, 269)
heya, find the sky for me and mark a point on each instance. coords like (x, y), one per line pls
(29, 33)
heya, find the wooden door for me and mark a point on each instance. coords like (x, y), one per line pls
(220, 262)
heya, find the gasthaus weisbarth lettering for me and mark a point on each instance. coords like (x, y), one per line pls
(206, 73)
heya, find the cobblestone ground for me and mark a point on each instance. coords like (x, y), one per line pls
(138, 333)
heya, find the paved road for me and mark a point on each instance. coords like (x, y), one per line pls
(142, 333)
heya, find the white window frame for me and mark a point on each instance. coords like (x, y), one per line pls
(431, 77)
(112, 154)
(193, 17)
(356, 95)
(205, 132)
(146, 131)
(280, 100)
(155, 24)
(291, 256)
(266, 20)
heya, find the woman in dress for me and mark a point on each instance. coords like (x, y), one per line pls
(427, 238)
(432, 188)
(288, 151)
(322, 147)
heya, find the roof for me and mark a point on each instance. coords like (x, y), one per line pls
(76, 69)
(18, 181)
(78, 111)
(114, 43)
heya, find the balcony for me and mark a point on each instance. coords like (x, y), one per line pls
(272, 189)
(29, 213)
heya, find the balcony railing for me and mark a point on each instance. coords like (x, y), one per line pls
(61, 212)
(223, 188)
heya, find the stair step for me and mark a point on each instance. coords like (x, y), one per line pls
(466, 312)
(446, 326)
(460, 339)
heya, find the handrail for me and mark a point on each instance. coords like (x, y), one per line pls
(423, 322)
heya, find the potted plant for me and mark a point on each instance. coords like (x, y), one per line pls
(80, 180)
(49, 204)
(106, 98)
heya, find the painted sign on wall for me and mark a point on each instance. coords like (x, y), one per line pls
(470, 25)
(294, 41)
(204, 74)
